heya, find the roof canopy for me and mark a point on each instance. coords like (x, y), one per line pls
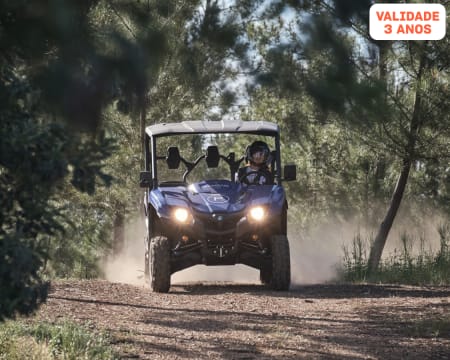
(213, 127)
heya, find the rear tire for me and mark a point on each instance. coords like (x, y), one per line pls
(159, 264)
(281, 263)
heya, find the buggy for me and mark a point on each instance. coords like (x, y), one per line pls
(215, 221)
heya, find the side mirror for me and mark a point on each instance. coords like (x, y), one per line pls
(173, 157)
(290, 172)
(212, 156)
(145, 179)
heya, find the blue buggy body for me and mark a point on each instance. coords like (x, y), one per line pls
(214, 221)
(217, 196)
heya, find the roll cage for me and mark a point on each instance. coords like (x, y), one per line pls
(149, 178)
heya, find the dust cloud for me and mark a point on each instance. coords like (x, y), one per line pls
(315, 254)
(128, 265)
(313, 260)
(420, 231)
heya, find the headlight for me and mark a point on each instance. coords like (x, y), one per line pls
(181, 215)
(257, 213)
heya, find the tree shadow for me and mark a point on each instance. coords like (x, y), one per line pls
(183, 329)
(317, 291)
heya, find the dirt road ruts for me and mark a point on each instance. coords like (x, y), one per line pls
(231, 321)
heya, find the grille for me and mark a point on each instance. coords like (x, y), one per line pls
(219, 227)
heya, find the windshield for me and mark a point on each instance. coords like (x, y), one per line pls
(192, 147)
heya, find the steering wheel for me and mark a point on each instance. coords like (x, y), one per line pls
(244, 178)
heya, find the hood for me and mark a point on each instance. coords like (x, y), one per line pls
(213, 196)
(216, 196)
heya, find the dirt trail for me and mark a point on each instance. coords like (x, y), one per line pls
(229, 321)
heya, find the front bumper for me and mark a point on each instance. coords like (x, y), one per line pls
(220, 239)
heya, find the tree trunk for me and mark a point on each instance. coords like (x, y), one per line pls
(385, 227)
(414, 129)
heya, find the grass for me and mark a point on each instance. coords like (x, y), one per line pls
(41, 341)
(431, 328)
(401, 267)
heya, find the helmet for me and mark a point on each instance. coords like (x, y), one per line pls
(258, 153)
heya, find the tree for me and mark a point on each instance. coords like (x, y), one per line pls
(392, 95)
(424, 122)
(56, 78)
(387, 98)
(75, 77)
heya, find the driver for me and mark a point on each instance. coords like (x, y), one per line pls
(257, 170)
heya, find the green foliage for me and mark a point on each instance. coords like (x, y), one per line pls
(78, 82)
(340, 177)
(402, 266)
(34, 160)
(354, 267)
(352, 111)
(19, 340)
(58, 71)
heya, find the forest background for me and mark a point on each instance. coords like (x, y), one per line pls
(367, 123)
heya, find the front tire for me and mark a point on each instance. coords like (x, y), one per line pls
(146, 258)
(265, 275)
(159, 264)
(281, 263)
